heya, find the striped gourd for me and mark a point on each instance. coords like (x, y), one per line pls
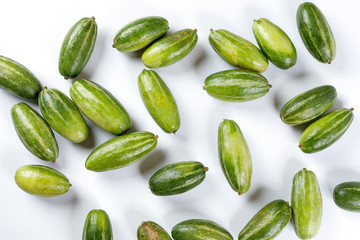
(62, 115)
(121, 151)
(315, 32)
(140, 33)
(149, 230)
(199, 229)
(97, 226)
(18, 80)
(34, 132)
(347, 196)
(237, 51)
(236, 85)
(234, 155)
(159, 101)
(100, 106)
(274, 43)
(306, 203)
(77, 47)
(308, 105)
(325, 131)
(177, 178)
(268, 222)
(170, 49)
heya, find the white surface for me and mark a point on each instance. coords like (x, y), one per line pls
(32, 33)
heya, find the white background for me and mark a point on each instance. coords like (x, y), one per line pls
(32, 33)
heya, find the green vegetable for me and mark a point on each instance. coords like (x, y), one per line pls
(62, 115)
(237, 51)
(268, 222)
(100, 106)
(77, 47)
(41, 181)
(159, 101)
(234, 155)
(306, 203)
(151, 231)
(140, 33)
(97, 226)
(308, 105)
(347, 196)
(18, 80)
(325, 131)
(170, 49)
(274, 43)
(177, 178)
(199, 229)
(236, 85)
(34, 132)
(316, 32)
(121, 151)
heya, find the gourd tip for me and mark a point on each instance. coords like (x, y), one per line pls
(113, 45)
(351, 109)
(203, 87)
(156, 137)
(206, 169)
(240, 193)
(70, 185)
(66, 78)
(195, 30)
(211, 30)
(174, 132)
(270, 86)
(45, 87)
(300, 146)
(93, 18)
(304, 169)
(53, 161)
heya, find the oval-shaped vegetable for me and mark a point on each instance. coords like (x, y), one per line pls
(306, 203)
(159, 101)
(34, 132)
(268, 222)
(140, 33)
(62, 115)
(315, 32)
(234, 155)
(149, 230)
(100, 106)
(97, 226)
(177, 178)
(77, 47)
(170, 49)
(308, 105)
(121, 151)
(237, 51)
(199, 229)
(274, 43)
(18, 80)
(347, 196)
(41, 181)
(236, 85)
(325, 131)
